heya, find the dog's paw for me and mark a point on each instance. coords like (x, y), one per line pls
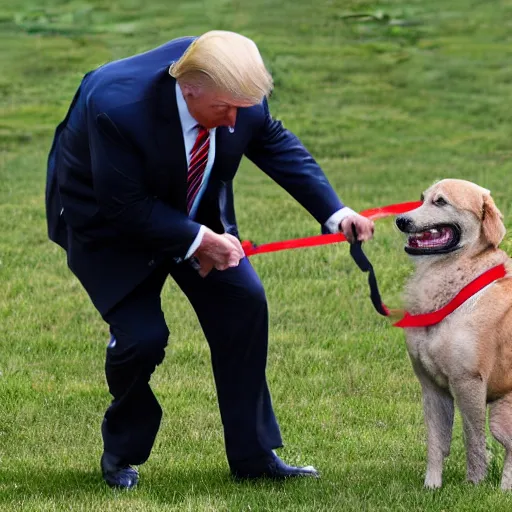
(506, 485)
(433, 481)
(506, 478)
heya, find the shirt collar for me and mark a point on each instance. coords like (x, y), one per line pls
(188, 123)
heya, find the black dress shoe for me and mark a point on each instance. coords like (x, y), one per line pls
(117, 474)
(270, 466)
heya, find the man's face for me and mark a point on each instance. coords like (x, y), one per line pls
(212, 108)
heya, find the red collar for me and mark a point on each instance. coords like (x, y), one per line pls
(466, 293)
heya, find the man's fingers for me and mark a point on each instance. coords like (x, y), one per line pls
(348, 225)
(234, 261)
(231, 237)
(350, 233)
(366, 231)
(363, 227)
(218, 251)
(236, 243)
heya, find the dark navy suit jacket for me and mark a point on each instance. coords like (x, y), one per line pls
(116, 184)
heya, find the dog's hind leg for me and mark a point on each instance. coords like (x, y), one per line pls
(438, 411)
(470, 396)
(501, 429)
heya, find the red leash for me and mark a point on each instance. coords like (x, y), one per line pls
(433, 318)
(251, 249)
(356, 251)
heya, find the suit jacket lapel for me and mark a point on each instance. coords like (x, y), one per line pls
(217, 163)
(172, 162)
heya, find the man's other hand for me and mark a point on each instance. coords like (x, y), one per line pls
(218, 251)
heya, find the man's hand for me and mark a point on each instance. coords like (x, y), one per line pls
(364, 228)
(218, 251)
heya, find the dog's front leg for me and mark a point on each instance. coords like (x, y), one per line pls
(438, 411)
(501, 428)
(470, 396)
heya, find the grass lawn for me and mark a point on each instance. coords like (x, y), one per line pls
(387, 103)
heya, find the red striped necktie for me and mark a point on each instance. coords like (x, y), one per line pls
(197, 165)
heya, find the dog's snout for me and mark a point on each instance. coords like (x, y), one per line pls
(403, 223)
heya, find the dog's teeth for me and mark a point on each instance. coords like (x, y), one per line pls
(434, 231)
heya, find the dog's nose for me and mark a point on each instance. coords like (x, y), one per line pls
(403, 222)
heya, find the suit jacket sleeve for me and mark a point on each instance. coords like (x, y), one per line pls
(119, 186)
(281, 155)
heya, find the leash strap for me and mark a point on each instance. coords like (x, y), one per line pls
(361, 260)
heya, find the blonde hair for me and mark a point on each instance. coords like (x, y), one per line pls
(229, 61)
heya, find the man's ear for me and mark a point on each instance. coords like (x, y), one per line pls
(493, 228)
(188, 90)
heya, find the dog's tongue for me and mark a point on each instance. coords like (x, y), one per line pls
(430, 238)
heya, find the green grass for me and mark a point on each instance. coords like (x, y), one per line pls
(387, 105)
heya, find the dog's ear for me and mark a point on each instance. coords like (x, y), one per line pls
(493, 228)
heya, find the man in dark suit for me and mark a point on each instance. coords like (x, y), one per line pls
(139, 187)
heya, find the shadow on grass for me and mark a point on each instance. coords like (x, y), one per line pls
(370, 483)
(157, 484)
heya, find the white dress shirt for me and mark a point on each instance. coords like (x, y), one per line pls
(190, 130)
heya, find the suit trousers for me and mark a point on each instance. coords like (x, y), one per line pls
(232, 309)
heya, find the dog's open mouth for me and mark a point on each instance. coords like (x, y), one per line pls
(434, 240)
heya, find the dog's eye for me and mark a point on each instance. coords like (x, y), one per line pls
(440, 201)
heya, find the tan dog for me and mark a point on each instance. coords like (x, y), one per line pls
(453, 238)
